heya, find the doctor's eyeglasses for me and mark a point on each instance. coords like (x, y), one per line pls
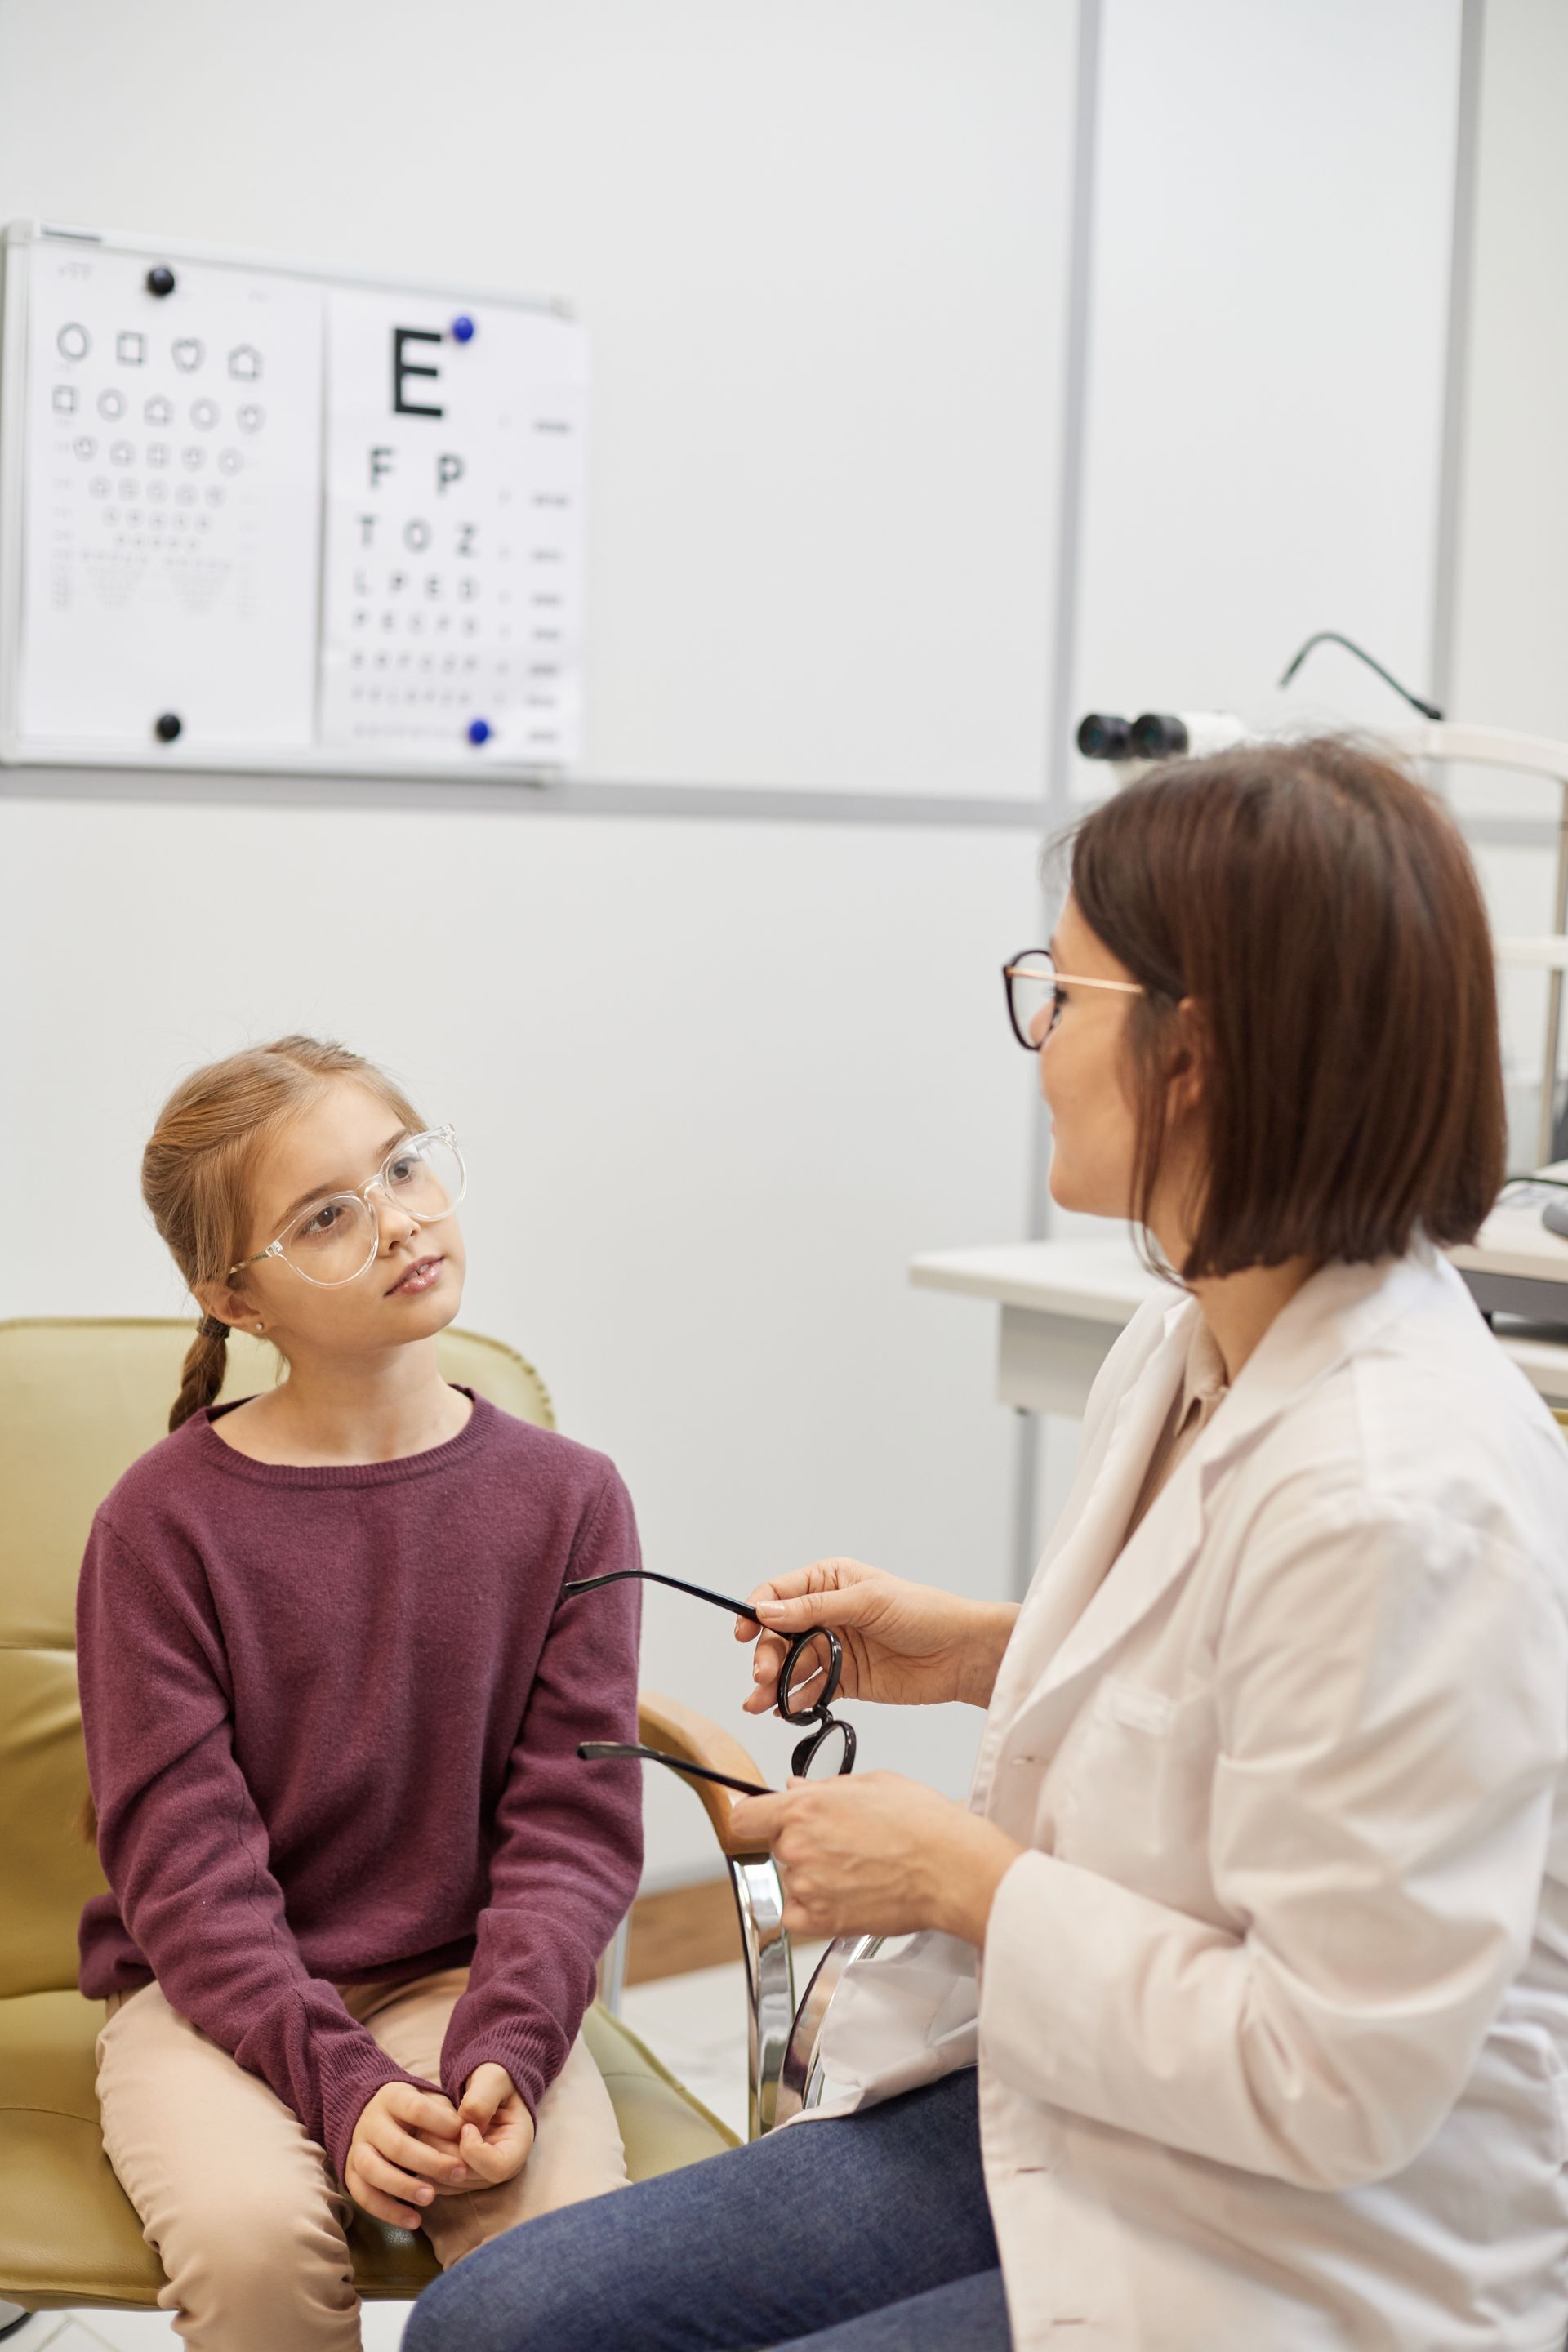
(1033, 983)
(808, 1685)
(334, 1238)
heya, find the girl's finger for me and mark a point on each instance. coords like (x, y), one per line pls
(487, 2161)
(391, 2179)
(386, 2208)
(442, 2164)
(425, 2111)
(381, 2188)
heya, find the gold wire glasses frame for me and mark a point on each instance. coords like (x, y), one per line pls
(423, 1175)
(1031, 980)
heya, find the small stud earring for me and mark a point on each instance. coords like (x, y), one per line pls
(261, 1327)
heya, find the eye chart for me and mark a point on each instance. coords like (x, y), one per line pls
(454, 502)
(256, 516)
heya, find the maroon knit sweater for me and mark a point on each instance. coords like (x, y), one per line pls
(331, 1717)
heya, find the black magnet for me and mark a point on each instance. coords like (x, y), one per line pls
(168, 727)
(160, 280)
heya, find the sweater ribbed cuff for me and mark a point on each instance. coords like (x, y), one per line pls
(533, 2056)
(347, 2087)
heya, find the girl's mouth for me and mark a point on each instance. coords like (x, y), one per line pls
(421, 1275)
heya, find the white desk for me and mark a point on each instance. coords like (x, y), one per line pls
(1063, 1304)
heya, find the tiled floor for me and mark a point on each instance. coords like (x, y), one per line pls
(695, 2023)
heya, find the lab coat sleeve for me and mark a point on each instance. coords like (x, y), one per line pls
(1391, 1692)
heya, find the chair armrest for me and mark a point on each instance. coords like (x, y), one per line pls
(680, 1730)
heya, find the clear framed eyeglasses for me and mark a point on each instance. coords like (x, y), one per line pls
(1033, 983)
(335, 1239)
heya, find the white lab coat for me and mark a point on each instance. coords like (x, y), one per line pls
(1272, 2019)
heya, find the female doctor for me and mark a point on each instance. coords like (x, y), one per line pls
(1232, 2011)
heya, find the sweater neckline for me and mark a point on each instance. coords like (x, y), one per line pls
(219, 1456)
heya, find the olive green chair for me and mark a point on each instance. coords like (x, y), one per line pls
(78, 1401)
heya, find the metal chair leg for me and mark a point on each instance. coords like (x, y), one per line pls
(799, 2076)
(770, 1984)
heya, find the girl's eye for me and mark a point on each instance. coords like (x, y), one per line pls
(322, 1220)
(401, 1171)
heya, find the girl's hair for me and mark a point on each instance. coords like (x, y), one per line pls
(1321, 907)
(196, 1170)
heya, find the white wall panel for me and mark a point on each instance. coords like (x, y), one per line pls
(1512, 617)
(1273, 206)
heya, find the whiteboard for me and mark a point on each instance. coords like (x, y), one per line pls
(256, 516)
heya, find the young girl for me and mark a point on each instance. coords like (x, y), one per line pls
(360, 1881)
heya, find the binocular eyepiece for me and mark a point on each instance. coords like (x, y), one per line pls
(1158, 734)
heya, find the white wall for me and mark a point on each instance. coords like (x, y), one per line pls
(823, 250)
(1273, 211)
(719, 1085)
(1510, 668)
(819, 248)
(721, 1080)
(1273, 200)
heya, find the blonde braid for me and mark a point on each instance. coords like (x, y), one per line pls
(202, 1374)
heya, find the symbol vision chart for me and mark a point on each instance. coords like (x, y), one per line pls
(171, 500)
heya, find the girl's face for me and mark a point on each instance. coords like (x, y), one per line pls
(413, 1287)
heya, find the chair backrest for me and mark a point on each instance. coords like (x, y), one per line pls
(79, 1400)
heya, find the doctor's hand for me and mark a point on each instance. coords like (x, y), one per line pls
(906, 1644)
(497, 2128)
(878, 1856)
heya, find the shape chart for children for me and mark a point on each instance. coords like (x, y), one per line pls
(171, 491)
(251, 515)
(455, 483)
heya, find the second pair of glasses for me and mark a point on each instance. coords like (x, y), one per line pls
(807, 1686)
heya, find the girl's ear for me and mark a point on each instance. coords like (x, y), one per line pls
(226, 1304)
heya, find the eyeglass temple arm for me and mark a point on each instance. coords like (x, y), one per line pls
(651, 1576)
(615, 1751)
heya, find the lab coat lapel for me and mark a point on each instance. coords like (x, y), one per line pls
(1065, 1608)
(1340, 1309)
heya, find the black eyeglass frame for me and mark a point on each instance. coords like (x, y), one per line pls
(1013, 969)
(819, 1713)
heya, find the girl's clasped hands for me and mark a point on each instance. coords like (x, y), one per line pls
(410, 2145)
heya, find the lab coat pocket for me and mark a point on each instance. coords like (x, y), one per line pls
(1138, 1799)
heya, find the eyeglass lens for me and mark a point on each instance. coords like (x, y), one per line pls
(1031, 983)
(335, 1239)
(830, 1749)
(812, 1671)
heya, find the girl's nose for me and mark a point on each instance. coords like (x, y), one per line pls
(389, 1215)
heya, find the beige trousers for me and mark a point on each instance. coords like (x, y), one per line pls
(239, 2202)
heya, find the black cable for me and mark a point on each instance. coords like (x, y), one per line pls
(1333, 637)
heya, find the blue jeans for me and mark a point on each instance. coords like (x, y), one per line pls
(868, 2235)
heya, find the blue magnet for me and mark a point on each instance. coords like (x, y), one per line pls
(479, 730)
(463, 329)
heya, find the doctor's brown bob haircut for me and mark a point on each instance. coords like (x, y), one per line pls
(1319, 907)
